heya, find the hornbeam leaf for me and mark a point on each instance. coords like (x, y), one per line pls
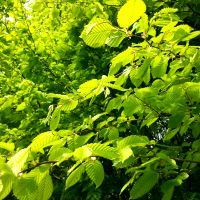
(7, 146)
(130, 12)
(168, 188)
(45, 185)
(68, 105)
(122, 59)
(37, 184)
(55, 118)
(43, 140)
(88, 87)
(96, 32)
(18, 161)
(82, 153)
(116, 87)
(192, 35)
(95, 171)
(103, 150)
(159, 66)
(6, 180)
(133, 141)
(144, 184)
(75, 176)
(125, 153)
(171, 133)
(112, 2)
(115, 38)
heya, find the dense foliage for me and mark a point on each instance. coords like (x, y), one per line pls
(99, 99)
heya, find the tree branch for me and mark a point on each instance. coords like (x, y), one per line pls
(37, 165)
(187, 160)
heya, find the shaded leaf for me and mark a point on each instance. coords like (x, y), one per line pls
(144, 184)
(55, 118)
(75, 176)
(95, 171)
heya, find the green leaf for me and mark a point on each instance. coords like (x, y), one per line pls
(130, 12)
(191, 35)
(167, 11)
(17, 162)
(116, 87)
(95, 171)
(144, 184)
(75, 176)
(168, 188)
(87, 89)
(128, 183)
(193, 91)
(6, 180)
(113, 133)
(34, 185)
(82, 153)
(21, 106)
(80, 140)
(55, 118)
(43, 140)
(112, 2)
(133, 141)
(26, 187)
(7, 146)
(58, 153)
(125, 153)
(143, 24)
(171, 133)
(122, 59)
(159, 66)
(138, 75)
(61, 96)
(114, 103)
(96, 32)
(132, 105)
(123, 77)
(45, 186)
(68, 105)
(103, 150)
(115, 38)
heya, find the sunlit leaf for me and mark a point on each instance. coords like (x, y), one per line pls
(130, 12)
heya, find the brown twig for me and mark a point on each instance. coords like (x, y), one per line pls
(37, 165)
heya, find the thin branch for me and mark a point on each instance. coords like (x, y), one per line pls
(187, 160)
(37, 165)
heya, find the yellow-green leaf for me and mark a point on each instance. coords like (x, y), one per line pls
(7, 146)
(96, 32)
(130, 12)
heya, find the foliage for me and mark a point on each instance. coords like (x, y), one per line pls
(99, 98)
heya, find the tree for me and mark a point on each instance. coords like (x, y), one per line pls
(130, 131)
